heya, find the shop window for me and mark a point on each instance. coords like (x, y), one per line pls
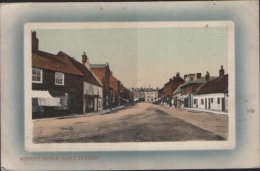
(59, 78)
(36, 75)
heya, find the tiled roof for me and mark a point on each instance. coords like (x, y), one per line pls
(59, 62)
(217, 85)
(99, 72)
(98, 65)
(88, 75)
(197, 81)
(175, 79)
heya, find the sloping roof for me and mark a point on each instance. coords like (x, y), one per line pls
(99, 72)
(88, 75)
(217, 85)
(197, 81)
(59, 62)
(175, 79)
(98, 65)
(178, 90)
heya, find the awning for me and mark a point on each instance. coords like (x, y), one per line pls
(158, 99)
(92, 96)
(123, 99)
(184, 96)
(45, 99)
(40, 94)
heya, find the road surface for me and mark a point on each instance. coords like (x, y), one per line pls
(142, 122)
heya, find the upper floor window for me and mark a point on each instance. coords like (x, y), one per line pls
(36, 75)
(59, 78)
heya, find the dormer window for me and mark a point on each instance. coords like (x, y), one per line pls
(36, 75)
(59, 78)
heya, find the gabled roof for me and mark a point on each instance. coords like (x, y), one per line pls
(98, 65)
(59, 62)
(197, 81)
(174, 79)
(88, 75)
(217, 85)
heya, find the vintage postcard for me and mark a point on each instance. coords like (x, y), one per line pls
(129, 86)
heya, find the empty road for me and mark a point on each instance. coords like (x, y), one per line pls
(142, 122)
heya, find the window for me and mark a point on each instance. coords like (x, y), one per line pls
(36, 75)
(211, 100)
(218, 100)
(59, 78)
(202, 101)
(195, 101)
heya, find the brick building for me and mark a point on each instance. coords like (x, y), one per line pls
(169, 88)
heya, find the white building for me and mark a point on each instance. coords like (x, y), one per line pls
(145, 94)
(92, 88)
(212, 95)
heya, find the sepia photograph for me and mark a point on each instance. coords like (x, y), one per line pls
(131, 82)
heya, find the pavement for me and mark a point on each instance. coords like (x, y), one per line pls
(142, 122)
(101, 112)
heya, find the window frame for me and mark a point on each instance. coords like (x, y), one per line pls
(63, 78)
(41, 78)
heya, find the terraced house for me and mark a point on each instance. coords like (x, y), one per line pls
(213, 94)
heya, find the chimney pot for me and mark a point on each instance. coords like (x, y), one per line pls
(207, 76)
(35, 42)
(221, 71)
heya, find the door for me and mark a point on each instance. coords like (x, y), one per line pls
(209, 102)
(223, 104)
(206, 103)
(72, 105)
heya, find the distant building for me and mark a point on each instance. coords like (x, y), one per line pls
(169, 88)
(145, 94)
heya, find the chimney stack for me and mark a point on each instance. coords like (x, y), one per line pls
(35, 42)
(198, 75)
(85, 60)
(207, 76)
(221, 71)
(177, 74)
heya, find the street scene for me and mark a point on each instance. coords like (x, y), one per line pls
(141, 122)
(175, 91)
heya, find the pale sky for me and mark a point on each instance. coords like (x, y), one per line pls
(143, 57)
